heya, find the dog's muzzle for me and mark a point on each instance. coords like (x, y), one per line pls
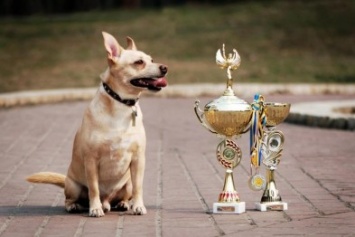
(153, 84)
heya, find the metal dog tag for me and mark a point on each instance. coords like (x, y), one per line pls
(134, 115)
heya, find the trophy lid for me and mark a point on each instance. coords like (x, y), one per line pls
(228, 103)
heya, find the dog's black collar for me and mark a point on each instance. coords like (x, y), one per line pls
(114, 95)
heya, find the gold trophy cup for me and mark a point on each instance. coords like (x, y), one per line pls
(227, 116)
(272, 143)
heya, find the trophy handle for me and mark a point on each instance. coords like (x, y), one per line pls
(200, 117)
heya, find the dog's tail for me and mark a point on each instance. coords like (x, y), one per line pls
(47, 178)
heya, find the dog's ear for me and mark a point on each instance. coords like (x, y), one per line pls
(112, 47)
(130, 44)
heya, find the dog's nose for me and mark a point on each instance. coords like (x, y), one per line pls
(163, 69)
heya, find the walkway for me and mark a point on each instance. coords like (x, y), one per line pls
(182, 179)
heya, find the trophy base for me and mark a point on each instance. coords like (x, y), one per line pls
(229, 208)
(271, 206)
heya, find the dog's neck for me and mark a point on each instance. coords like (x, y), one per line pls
(114, 95)
(115, 91)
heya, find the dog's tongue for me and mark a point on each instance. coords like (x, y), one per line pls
(160, 82)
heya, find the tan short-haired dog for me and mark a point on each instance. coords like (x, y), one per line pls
(108, 157)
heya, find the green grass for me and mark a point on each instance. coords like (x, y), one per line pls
(292, 41)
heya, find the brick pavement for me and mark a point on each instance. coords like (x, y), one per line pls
(182, 177)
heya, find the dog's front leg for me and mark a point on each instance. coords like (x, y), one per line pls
(92, 177)
(137, 173)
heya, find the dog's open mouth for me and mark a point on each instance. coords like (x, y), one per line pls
(153, 84)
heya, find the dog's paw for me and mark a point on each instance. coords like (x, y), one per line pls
(123, 206)
(139, 210)
(96, 212)
(106, 206)
(73, 208)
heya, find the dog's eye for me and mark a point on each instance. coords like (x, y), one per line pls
(139, 62)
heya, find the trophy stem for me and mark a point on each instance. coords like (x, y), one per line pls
(271, 199)
(229, 194)
(228, 201)
(271, 194)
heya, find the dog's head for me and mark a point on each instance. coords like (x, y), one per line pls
(132, 69)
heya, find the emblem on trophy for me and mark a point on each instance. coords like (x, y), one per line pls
(228, 116)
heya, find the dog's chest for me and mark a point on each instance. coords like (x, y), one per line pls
(117, 140)
(119, 154)
(125, 145)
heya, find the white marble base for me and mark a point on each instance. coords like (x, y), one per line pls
(229, 208)
(271, 206)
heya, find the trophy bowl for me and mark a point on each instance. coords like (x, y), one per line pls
(276, 113)
(227, 115)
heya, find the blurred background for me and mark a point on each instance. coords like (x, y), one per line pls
(58, 43)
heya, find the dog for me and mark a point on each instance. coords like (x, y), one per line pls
(108, 157)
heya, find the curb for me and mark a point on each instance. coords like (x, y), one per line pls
(12, 99)
(191, 90)
(316, 114)
(321, 122)
(323, 114)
